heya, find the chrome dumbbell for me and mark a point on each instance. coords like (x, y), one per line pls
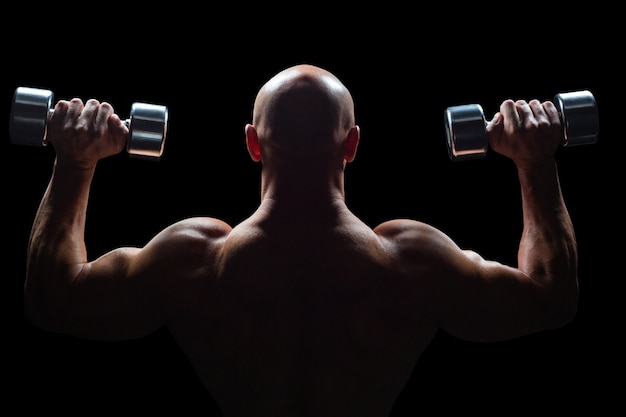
(32, 108)
(466, 134)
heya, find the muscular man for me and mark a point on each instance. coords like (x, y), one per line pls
(301, 309)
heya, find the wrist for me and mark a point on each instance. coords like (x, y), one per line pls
(537, 169)
(69, 177)
(67, 166)
(540, 184)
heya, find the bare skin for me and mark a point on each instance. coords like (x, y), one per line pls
(301, 309)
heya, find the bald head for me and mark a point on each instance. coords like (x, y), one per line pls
(303, 110)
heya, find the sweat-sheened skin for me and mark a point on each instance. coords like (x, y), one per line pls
(301, 309)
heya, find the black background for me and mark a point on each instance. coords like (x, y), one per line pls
(403, 67)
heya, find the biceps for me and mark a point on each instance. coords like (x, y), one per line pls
(108, 301)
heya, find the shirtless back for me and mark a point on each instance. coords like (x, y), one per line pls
(312, 327)
(301, 309)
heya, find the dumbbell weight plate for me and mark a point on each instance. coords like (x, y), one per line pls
(579, 117)
(465, 132)
(29, 116)
(148, 127)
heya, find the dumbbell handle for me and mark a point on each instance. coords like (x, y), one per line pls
(32, 109)
(147, 136)
(44, 140)
(125, 121)
(466, 134)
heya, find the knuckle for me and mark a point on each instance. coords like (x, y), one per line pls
(81, 129)
(530, 124)
(543, 124)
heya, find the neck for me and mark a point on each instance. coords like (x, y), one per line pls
(302, 192)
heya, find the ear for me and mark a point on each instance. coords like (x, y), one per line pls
(252, 142)
(352, 142)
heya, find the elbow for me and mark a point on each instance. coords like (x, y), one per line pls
(571, 308)
(564, 307)
(32, 310)
(39, 312)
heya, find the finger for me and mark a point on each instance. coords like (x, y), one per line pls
(119, 131)
(551, 113)
(104, 112)
(57, 121)
(75, 109)
(60, 110)
(539, 113)
(117, 126)
(87, 119)
(524, 111)
(554, 119)
(494, 128)
(496, 119)
(495, 123)
(509, 113)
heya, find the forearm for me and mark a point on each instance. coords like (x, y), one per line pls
(56, 250)
(548, 249)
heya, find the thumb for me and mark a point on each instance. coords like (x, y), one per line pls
(494, 129)
(117, 126)
(119, 132)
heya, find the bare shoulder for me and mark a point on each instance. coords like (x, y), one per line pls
(198, 228)
(407, 234)
(191, 237)
(418, 245)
